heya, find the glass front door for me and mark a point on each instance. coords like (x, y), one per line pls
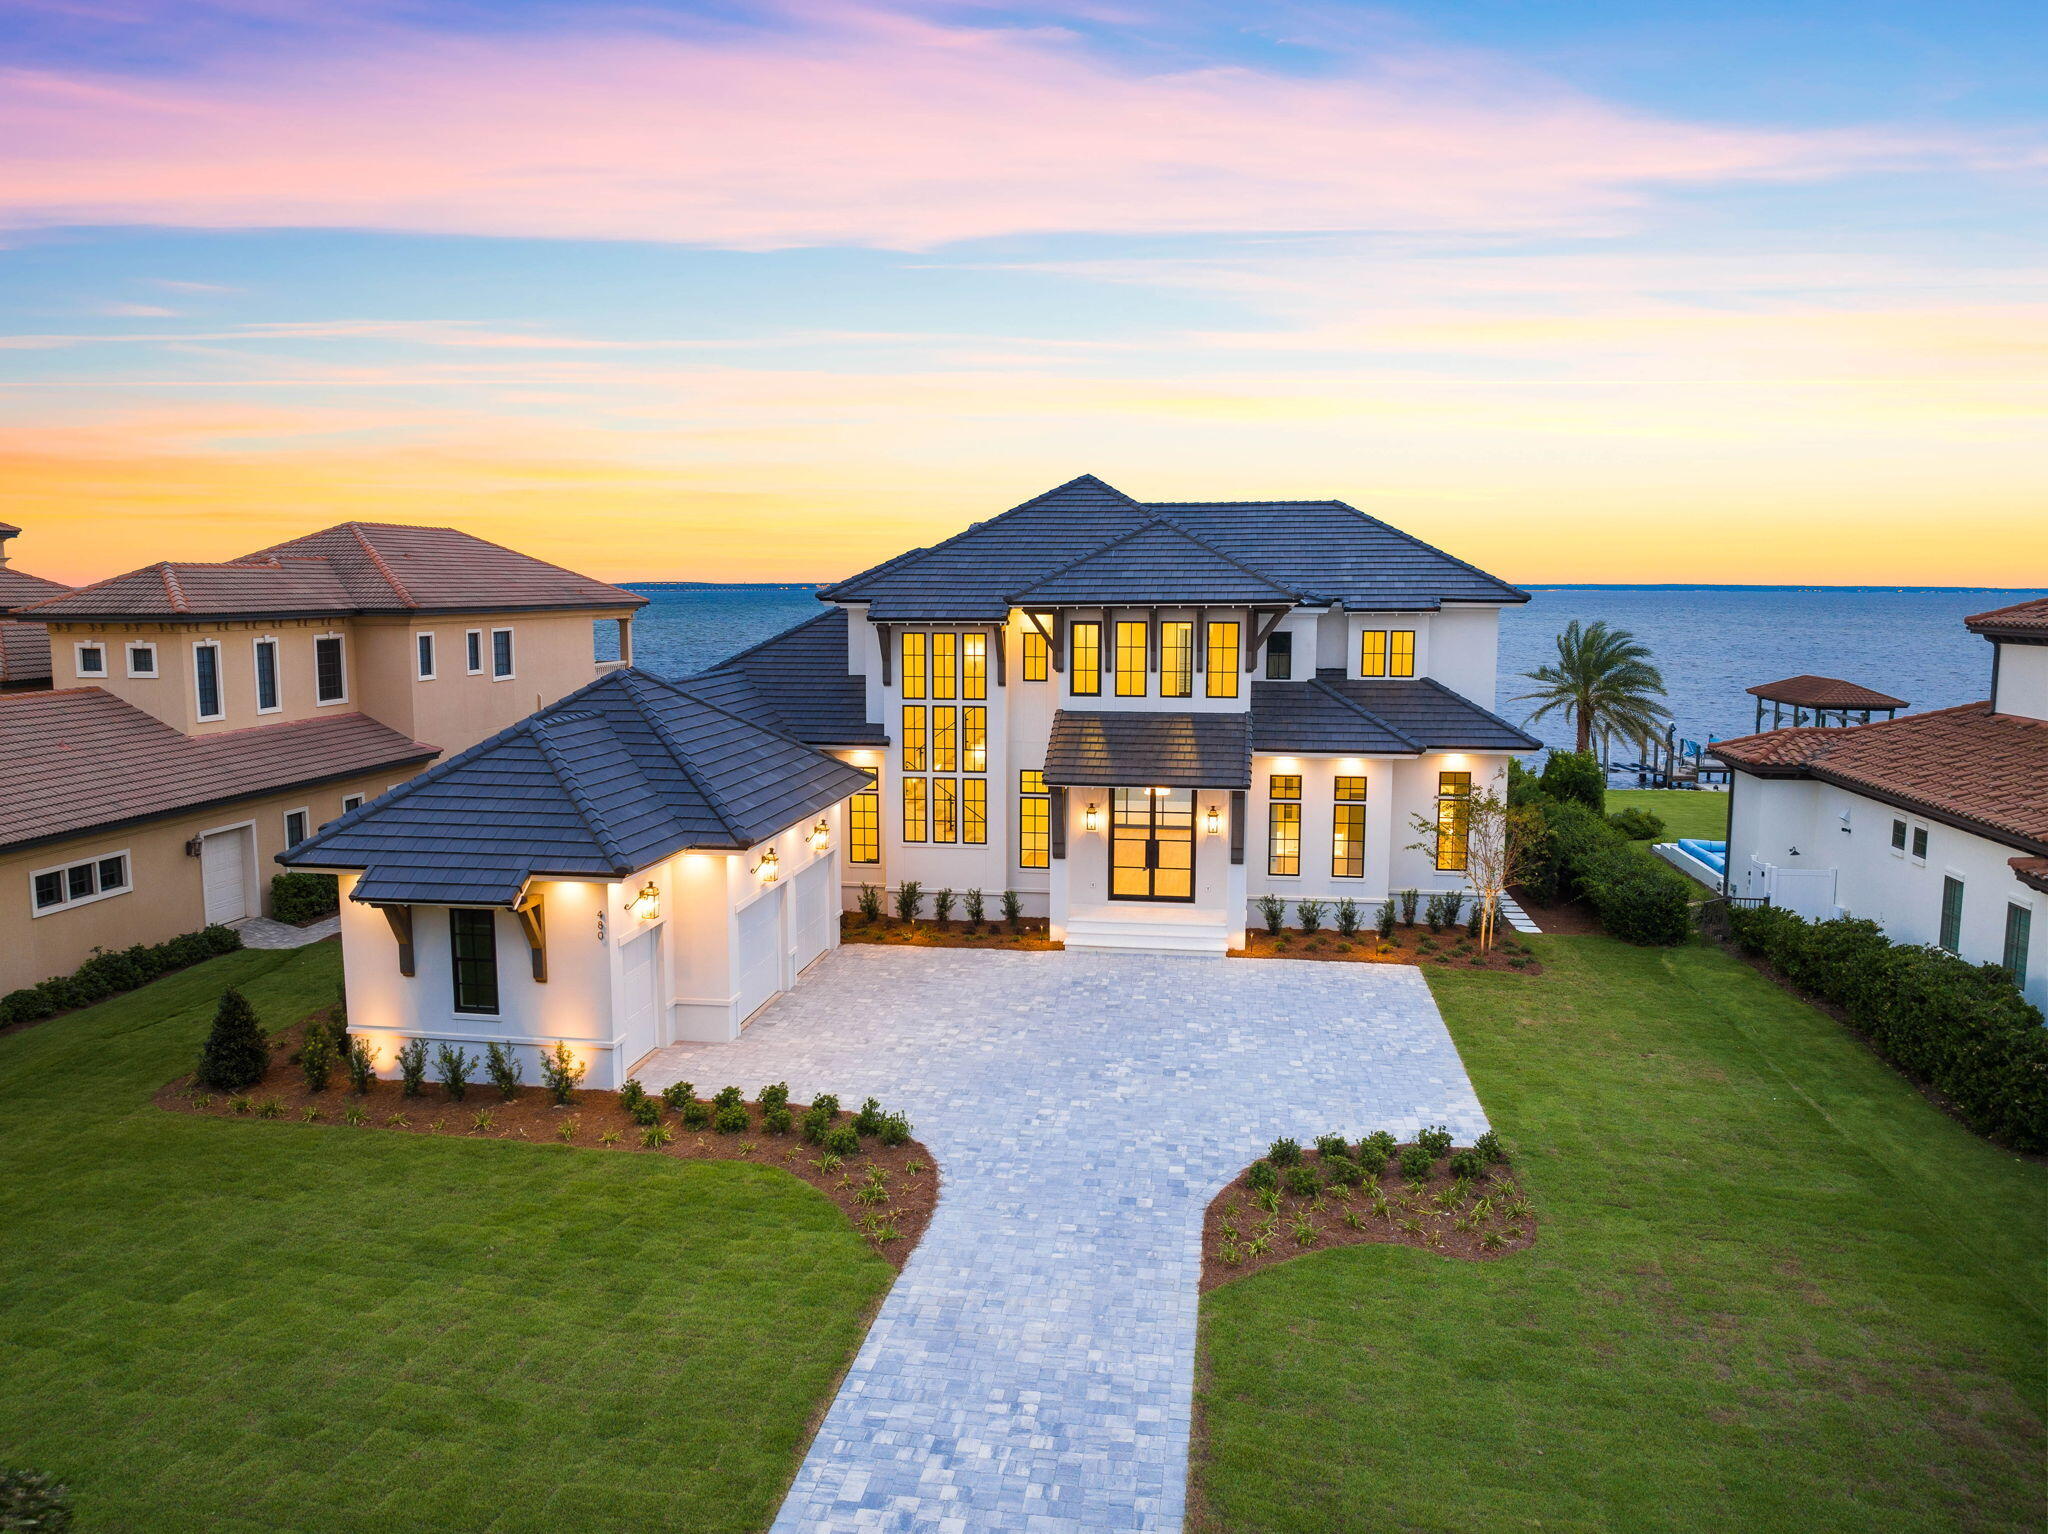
(1152, 844)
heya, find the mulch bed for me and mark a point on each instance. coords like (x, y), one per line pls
(1029, 934)
(1409, 945)
(891, 1227)
(1388, 1210)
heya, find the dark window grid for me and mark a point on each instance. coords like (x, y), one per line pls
(473, 946)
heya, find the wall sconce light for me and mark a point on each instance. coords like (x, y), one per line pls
(821, 837)
(647, 904)
(770, 867)
(1091, 818)
(194, 847)
(1212, 820)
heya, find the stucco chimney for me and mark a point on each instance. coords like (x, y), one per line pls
(7, 530)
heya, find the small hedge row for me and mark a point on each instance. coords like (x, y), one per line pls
(1964, 1029)
(1638, 897)
(108, 974)
(300, 898)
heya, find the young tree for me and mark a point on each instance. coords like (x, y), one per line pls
(1501, 841)
(1603, 682)
(237, 1051)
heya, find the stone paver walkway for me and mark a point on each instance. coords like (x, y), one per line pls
(1032, 1369)
(262, 932)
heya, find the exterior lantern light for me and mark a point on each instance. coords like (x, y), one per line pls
(821, 837)
(1212, 820)
(647, 904)
(1091, 818)
(770, 867)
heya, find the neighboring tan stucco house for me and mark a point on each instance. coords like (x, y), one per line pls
(24, 647)
(205, 717)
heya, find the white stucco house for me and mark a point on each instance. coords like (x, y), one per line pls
(1934, 825)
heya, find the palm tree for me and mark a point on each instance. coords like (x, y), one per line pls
(1604, 682)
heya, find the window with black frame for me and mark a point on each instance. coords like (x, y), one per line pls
(473, 947)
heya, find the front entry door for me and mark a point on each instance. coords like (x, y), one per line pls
(1152, 844)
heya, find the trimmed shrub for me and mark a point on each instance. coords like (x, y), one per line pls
(647, 1110)
(504, 1069)
(1962, 1028)
(561, 1073)
(678, 1095)
(1489, 1146)
(1304, 1181)
(1467, 1164)
(108, 974)
(1013, 909)
(871, 903)
(974, 907)
(412, 1067)
(728, 1097)
(696, 1115)
(817, 1122)
(1380, 1141)
(1343, 1172)
(1308, 915)
(237, 1050)
(842, 1140)
(316, 1059)
(942, 905)
(1372, 1160)
(454, 1067)
(32, 1501)
(776, 1120)
(361, 1063)
(1332, 1145)
(1409, 900)
(632, 1094)
(1263, 1176)
(894, 1129)
(1638, 897)
(1637, 825)
(730, 1119)
(1284, 1152)
(1436, 1140)
(869, 1120)
(1416, 1163)
(1383, 922)
(1576, 777)
(302, 898)
(1273, 912)
(908, 894)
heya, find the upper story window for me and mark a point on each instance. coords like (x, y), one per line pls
(1919, 844)
(351, 802)
(1034, 821)
(915, 665)
(330, 674)
(501, 654)
(1453, 825)
(1132, 641)
(1037, 656)
(92, 660)
(473, 945)
(913, 743)
(974, 665)
(57, 889)
(946, 738)
(206, 680)
(142, 660)
(1084, 659)
(974, 738)
(1283, 824)
(423, 650)
(1387, 652)
(297, 825)
(945, 665)
(266, 677)
(1176, 660)
(1898, 836)
(1225, 654)
(1279, 657)
(473, 649)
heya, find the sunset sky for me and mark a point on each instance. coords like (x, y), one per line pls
(1754, 291)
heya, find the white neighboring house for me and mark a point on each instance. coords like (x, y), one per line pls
(1933, 825)
(1144, 716)
(629, 867)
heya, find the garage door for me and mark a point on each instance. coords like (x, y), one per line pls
(223, 871)
(759, 960)
(817, 889)
(639, 997)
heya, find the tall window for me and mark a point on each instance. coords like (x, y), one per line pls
(1084, 658)
(945, 739)
(1347, 837)
(1279, 657)
(1453, 825)
(974, 665)
(1898, 836)
(473, 943)
(915, 755)
(974, 810)
(945, 665)
(1176, 660)
(1384, 652)
(1919, 844)
(914, 648)
(974, 738)
(295, 822)
(1034, 821)
(1223, 660)
(1283, 824)
(330, 681)
(915, 827)
(864, 825)
(425, 644)
(206, 679)
(945, 809)
(2019, 927)
(1131, 644)
(473, 648)
(266, 675)
(1037, 656)
(501, 654)
(1952, 914)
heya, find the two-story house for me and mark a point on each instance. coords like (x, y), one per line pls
(204, 717)
(24, 647)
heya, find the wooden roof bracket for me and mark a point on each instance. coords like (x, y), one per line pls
(399, 918)
(533, 921)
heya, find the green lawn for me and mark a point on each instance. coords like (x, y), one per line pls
(1774, 1290)
(1685, 812)
(250, 1325)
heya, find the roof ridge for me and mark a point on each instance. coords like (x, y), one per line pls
(592, 817)
(761, 644)
(383, 569)
(1096, 550)
(1500, 719)
(712, 797)
(1356, 707)
(173, 592)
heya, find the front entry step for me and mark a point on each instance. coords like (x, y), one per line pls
(1099, 934)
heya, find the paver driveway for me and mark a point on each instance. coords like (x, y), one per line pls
(1033, 1367)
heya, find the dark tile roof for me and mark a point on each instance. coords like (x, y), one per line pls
(1142, 748)
(1157, 563)
(1823, 692)
(1332, 712)
(24, 653)
(617, 775)
(1967, 765)
(18, 588)
(2022, 620)
(797, 682)
(1319, 550)
(81, 758)
(357, 567)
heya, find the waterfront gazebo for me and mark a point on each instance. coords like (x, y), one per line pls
(1821, 700)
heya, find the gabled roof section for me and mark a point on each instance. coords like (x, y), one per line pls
(1159, 562)
(24, 653)
(357, 567)
(1335, 713)
(797, 682)
(18, 588)
(1134, 748)
(618, 775)
(2022, 620)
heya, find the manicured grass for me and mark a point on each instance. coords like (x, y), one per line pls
(1774, 1290)
(1685, 812)
(252, 1325)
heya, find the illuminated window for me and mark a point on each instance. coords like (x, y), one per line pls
(913, 810)
(1084, 658)
(945, 665)
(1034, 821)
(974, 739)
(945, 739)
(1283, 824)
(1176, 660)
(864, 825)
(1347, 836)
(974, 665)
(1372, 653)
(945, 810)
(914, 759)
(974, 810)
(1223, 660)
(1401, 652)
(1130, 659)
(1037, 656)
(1453, 830)
(913, 665)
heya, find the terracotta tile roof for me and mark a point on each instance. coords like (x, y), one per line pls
(79, 758)
(2032, 872)
(1985, 770)
(18, 588)
(358, 567)
(24, 653)
(1824, 692)
(2020, 618)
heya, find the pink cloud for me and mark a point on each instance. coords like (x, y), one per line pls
(860, 127)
